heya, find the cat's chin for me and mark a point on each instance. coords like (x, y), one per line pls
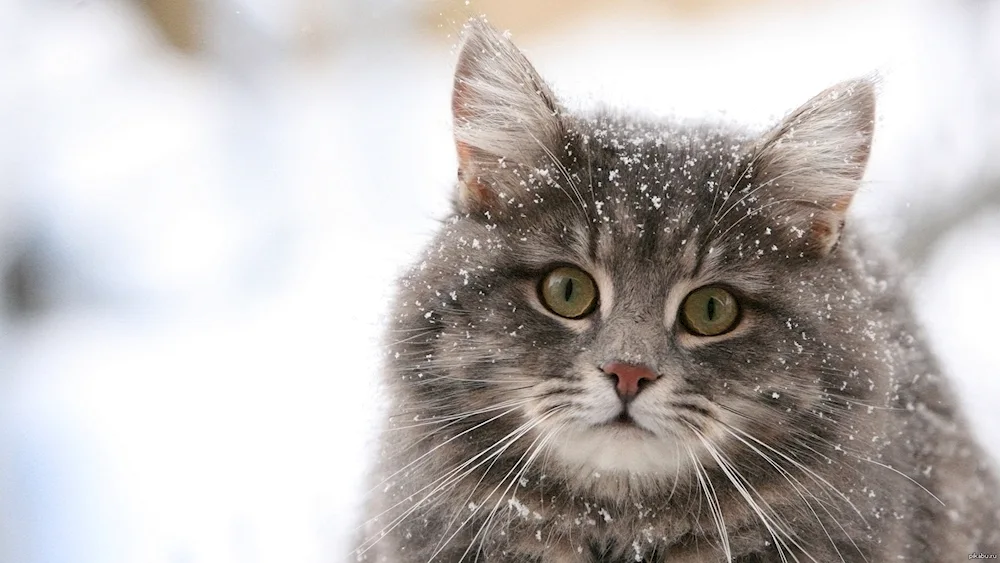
(619, 448)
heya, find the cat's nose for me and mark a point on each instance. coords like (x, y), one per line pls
(630, 378)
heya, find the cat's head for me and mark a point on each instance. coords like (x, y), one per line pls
(628, 295)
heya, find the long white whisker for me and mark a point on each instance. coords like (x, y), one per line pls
(453, 476)
(812, 474)
(769, 521)
(799, 488)
(515, 481)
(581, 204)
(430, 452)
(746, 170)
(713, 504)
(524, 430)
(901, 474)
(751, 193)
(531, 425)
(758, 210)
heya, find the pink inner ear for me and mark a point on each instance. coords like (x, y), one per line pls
(826, 227)
(824, 232)
(841, 204)
(473, 194)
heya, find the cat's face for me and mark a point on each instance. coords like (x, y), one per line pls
(629, 296)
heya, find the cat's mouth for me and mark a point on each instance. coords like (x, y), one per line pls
(624, 421)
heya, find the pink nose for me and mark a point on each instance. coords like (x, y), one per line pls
(628, 376)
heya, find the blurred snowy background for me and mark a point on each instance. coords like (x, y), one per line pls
(203, 204)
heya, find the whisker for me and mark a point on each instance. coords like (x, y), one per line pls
(760, 209)
(454, 419)
(445, 481)
(713, 504)
(735, 432)
(559, 167)
(797, 485)
(441, 445)
(901, 474)
(533, 424)
(770, 522)
(515, 481)
(739, 178)
(754, 191)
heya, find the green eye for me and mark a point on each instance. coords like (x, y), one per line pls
(568, 292)
(710, 311)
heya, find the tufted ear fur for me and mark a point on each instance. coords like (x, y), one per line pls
(503, 115)
(812, 163)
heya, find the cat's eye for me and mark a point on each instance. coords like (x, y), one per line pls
(568, 292)
(710, 311)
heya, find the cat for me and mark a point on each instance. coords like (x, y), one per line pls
(658, 341)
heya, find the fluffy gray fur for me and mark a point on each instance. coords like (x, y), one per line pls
(820, 429)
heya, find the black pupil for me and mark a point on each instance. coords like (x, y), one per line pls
(569, 289)
(710, 308)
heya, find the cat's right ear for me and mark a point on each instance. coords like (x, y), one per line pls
(813, 162)
(504, 116)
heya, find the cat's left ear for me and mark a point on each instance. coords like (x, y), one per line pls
(504, 115)
(812, 163)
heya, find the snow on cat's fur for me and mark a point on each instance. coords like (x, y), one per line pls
(816, 427)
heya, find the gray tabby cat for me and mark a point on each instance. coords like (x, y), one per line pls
(639, 340)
